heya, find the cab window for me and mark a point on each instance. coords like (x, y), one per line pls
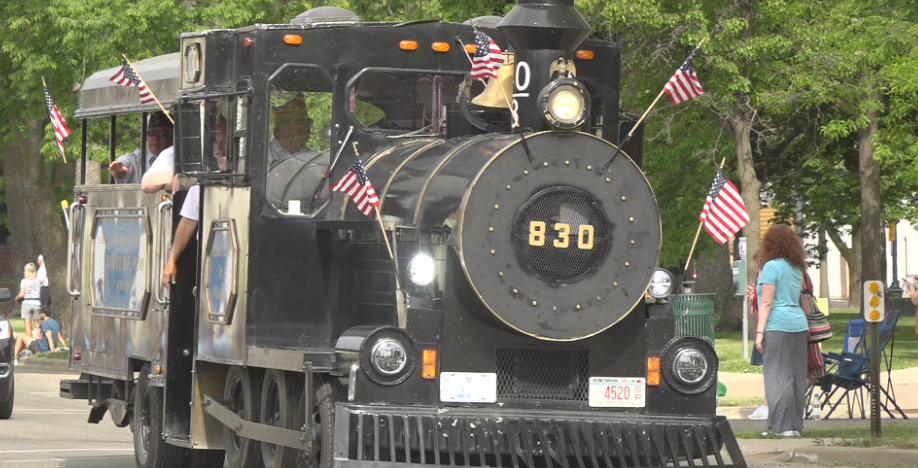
(299, 140)
(213, 136)
(402, 100)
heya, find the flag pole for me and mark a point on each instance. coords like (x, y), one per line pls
(695, 242)
(60, 144)
(169, 116)
(643, 116)
(516, 118)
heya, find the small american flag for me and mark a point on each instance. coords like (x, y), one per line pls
(684, 84)
(126, 76)
(487, 59)
(356, 184)
(61, 130)
(724, 212)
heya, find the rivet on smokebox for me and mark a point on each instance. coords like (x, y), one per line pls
(598, 298)
(632, 242)
(589, 168)
(526, 172)
(555, 308)
(545, 164)
(615, 283)
(567, 163)
(578, 306)
(500, 273)
(626, 263)
(496, 207)
(535, 303)
(508, 187)
(624, 198)
(493, 251)
(491, 229)
(608, 179)
(516, 291)
(631, 219)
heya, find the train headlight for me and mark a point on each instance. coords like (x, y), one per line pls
(661, 284)
(690, 365)
(422, 269)
(565, 103)
(388, 356)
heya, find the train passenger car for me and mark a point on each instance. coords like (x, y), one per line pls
(490, 311)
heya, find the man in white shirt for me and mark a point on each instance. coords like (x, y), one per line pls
(42, 276)
(126, 169)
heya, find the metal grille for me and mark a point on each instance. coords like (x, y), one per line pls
(405, 437)
(540, 374)
(561, 235)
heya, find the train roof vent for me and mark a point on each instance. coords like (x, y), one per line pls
(326, 15)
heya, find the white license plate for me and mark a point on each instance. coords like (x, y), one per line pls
(626, 392)
(468, 387)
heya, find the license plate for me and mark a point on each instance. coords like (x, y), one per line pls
(468, 387)
(625, 392)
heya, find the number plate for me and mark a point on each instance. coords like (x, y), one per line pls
(627, 392)
(468, 387)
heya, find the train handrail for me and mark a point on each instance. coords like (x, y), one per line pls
(71, 247)
(160, 289)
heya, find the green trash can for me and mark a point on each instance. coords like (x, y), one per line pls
(695, 316)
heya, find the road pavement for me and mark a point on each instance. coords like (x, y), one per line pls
(49, 431)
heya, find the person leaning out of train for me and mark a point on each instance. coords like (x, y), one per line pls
(126, 169)
(29, 297)
(191, 211)
(47, 342)
(782, 333)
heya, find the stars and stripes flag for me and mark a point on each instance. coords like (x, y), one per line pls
(356, 184)
(61, 130)
(487, 59)
(684, 84)
(127, 76)
(724, 212)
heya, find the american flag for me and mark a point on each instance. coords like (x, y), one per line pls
(356, 184)
(684, 84)
(487, 59)
(61, 130)
(724, 212)
(126, 76)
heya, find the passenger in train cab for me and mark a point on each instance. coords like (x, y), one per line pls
(191, 210)
(292, 130)
(126, 169)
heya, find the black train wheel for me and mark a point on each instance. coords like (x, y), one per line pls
(150, 449)
(242, 390)
(325, 394)
(278, 409)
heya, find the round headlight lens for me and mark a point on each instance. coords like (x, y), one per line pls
(422, 269)
(566, 104)
(661, 285)
(388, 356)
(690, 365)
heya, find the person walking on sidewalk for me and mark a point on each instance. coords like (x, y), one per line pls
(782, 333)
(29, 297)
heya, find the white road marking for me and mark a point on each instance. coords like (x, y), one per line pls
(70, 450)
(39, 460)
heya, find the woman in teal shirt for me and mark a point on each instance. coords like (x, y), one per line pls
(783, 332)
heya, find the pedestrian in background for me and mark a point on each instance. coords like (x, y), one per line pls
(782, 333)
(760, 413)
(45, 294)
(29, 297)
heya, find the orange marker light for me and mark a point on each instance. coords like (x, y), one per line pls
(653, 371)
(249, 41)
(429, 364)
(440, 46)
(293, 39)
(471, 48)
(585, 54)
(158, 369)
(408, 45)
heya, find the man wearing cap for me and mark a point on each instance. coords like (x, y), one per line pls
(126, 169)
(292, 130)
(45, 291)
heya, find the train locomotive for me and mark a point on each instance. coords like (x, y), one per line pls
(492, 312)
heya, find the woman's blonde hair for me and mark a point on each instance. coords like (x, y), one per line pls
(29, 271)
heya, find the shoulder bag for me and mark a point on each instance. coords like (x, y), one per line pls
(819, 326)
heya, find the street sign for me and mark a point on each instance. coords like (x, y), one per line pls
(739, 277)
(874, 303)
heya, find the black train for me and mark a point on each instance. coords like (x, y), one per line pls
(512, 329)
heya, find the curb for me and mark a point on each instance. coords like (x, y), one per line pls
(40, 363)
(821, 452)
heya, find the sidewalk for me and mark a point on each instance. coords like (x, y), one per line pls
(905, 384)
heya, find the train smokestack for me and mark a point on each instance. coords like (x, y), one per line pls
(540, 32)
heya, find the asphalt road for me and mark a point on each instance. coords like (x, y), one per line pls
(49, 431)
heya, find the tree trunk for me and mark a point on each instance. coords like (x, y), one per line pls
(823, 253)
(872, 267)
(740, 128)
(851, 255)
(716, 276)
(35, 216)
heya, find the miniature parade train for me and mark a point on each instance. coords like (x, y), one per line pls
(511, 328)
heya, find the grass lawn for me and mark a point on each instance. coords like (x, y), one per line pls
(729, 345)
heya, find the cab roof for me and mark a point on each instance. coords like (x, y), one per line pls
(101, 97)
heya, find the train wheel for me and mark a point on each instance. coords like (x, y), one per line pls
(278, 408)
(118, 393)
(325, 395)
(205, 459)
(150, 449)
(6, 407)
(242, 389)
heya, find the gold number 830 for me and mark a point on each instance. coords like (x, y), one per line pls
(537, 237)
